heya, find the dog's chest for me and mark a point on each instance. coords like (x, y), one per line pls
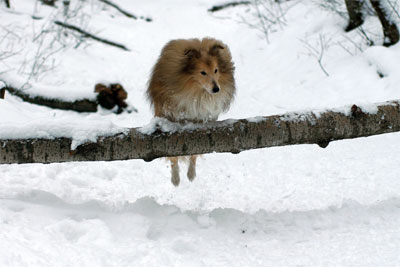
(202, 108)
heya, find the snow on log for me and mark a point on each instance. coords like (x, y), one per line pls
(163, 138)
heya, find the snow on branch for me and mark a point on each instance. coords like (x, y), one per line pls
(83, 105)
(162, 138)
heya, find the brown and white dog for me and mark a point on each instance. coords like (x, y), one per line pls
(192, 81)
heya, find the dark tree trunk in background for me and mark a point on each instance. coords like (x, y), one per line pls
(7, 3)
(356, 18)
(390, 30)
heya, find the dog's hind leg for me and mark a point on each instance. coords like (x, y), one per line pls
(191, 174)
(174, 171)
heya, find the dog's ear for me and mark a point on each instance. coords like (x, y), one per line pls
(192, 53)
(189, 64)
(214, 50)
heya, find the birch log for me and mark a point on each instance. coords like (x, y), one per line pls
(223, 136)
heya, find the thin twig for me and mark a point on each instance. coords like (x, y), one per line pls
(264, 28)
(394, 8)
(317, 53)
(356, 45)
(321, 54)
(365, 36)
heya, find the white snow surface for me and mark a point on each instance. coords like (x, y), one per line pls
(58, 125)
(283, 206)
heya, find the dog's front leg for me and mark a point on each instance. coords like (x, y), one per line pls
(191, 174)
(174, 171)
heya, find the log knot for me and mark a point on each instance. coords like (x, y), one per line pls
(323, 144)
(356, 112)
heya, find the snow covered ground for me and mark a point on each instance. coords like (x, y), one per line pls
(287, 206)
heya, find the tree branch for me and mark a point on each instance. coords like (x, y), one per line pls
(2, 93)
(89, 35)
(224, 136)
(226, 5)
(126, 13)
(84, 105)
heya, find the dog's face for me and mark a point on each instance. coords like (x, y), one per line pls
(203, 68)
(207, 75)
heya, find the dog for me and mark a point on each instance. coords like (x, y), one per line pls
(192, 81)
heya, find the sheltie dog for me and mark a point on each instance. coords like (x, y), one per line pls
(192, 81)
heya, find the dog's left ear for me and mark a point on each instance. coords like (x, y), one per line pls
(214, 50)
(192, 53)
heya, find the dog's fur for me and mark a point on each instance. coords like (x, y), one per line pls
(191, 81)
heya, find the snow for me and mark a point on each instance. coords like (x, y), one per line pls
(256, 119)
(284, 206)
(146, 233)
(165, 125)
(26, 127)
(53, 129)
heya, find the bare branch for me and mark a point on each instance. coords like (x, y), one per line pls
(89, 35)
(318, 53)
(269, 14)
(226, 5)
(126, 13)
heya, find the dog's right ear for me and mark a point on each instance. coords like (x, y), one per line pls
(214, 50)
(192, 53)
(189, 64)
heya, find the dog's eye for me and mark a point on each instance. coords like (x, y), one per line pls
(216, 70)
(203, 73)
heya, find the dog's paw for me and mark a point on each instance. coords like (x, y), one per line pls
(191, 174)
(175, 181)
(175, 176)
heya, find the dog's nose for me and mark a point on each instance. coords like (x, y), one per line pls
(215, 89)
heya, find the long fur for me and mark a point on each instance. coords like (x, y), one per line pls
(180, 92)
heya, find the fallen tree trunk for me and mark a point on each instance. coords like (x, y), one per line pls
(84, 105)
(224, 136)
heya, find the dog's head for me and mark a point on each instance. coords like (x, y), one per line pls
(205, 67)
